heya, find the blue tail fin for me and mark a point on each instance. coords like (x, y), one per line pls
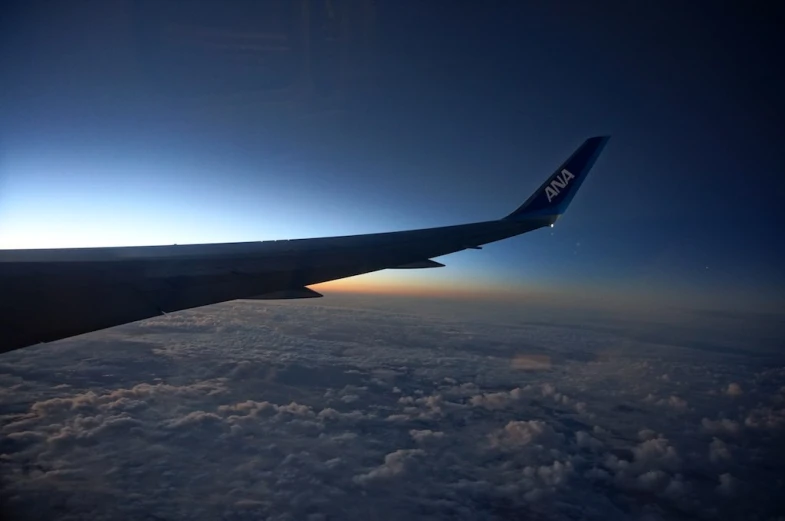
(553, 197)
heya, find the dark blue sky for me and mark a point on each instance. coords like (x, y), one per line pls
(146, 122)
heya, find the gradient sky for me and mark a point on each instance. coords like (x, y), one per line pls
(115, 131)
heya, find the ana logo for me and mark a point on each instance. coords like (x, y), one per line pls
(558, 184)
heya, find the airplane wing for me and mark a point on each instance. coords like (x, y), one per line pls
(49, 294)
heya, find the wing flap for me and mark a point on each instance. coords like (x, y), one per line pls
(287, 294)
(416, 265)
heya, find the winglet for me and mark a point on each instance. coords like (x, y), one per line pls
(553, 197)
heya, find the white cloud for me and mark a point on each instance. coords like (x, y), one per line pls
(674, 402)
(722, 426)
(587, 441)
(500, 400)
(395, 464)
(657, 453)
(491, 400)
(653, 468)
(646, 434)
(520, 433)
(654, 480)
(545, 479)
(728, 485)
(719, 451)
(677, 488)
(194, 419)
(764, 417)
(425, 435)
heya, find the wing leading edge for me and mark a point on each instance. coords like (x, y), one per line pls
(52, 294)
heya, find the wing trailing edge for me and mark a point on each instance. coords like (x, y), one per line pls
(288, 294)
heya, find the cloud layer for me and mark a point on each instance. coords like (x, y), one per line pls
(254, 410)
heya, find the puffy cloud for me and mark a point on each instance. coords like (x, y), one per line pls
(587, 441)
(598, 474)
(764, 417)
(517, 434)
(719, 451)
(674, 402)
(677, 488)
(652, 468)
(654, 480)
(646, 434)
(296, 409)
(491, 400)
(728, 485)
(193, 419)
(425, 435)
(250, 408)
(656, 453)
(721, 426)
(540, 481)
(395, 464)
(498, 400)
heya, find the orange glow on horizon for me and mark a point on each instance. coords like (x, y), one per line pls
(384, 284)
(370, 285)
